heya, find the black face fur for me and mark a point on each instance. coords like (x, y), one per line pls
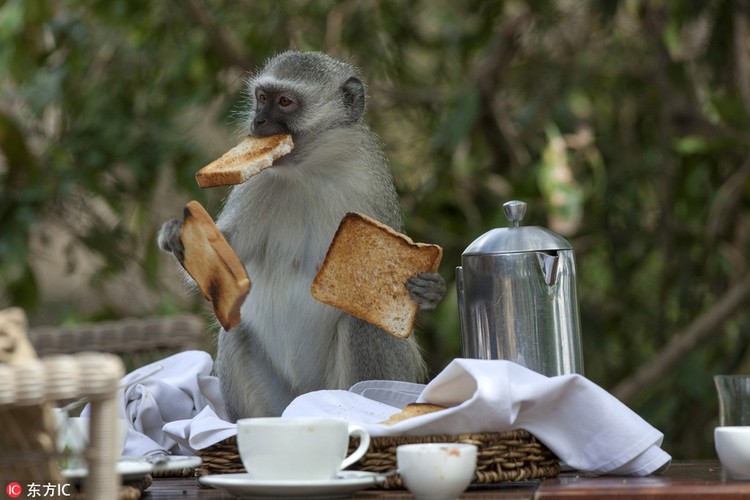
(274, 110)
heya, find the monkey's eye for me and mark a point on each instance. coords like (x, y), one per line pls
(262, 98)
(284, 101)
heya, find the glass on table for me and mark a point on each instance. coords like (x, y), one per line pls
(734, 399)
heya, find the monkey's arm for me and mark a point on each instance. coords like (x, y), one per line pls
(426, 289)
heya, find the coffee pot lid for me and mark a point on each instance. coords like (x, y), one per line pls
(516, 238)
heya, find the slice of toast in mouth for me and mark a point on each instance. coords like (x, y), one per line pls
(365, 271)
(213, 264)
(247, 159)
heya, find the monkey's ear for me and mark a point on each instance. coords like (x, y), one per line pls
(353, 92)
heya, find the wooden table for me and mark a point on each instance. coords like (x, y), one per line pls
(684, 479)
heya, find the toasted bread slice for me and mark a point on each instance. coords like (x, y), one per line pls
(365, 270)
(214, 266)
(412, 410)
(248, 158)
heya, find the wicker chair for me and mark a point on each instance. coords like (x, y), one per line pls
(132, 343)
(29, 386)
(27, 391)
(137, 341)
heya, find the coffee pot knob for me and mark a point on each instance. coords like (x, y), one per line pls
(515, 211)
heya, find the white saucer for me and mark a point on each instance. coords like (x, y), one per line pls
(163, 463)
(134, 468)
(128, 470)
(345, 483)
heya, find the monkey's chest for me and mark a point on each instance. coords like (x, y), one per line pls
(282, 233)
(297, 333)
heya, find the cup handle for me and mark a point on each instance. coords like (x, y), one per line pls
(364, 444)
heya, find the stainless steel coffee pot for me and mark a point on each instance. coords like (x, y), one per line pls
(517, 297)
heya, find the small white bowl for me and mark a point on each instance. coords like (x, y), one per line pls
(733, 448)
(436, 470)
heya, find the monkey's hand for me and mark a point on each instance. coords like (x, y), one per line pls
(426, 289)
(169, 238)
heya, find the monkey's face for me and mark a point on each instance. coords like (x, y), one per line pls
(275, 111)
(303, 94)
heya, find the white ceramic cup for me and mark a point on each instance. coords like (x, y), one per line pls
(436, 470)
(295, 449)
(733, 448)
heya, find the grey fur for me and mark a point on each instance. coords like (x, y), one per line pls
(280, 224)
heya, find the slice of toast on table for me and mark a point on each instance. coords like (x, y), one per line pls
(412, 410)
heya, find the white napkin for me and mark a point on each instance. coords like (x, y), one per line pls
(200, 432)
(176, 388)
(585, 426)
(390, 392)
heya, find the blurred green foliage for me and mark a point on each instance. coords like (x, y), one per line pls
(623, 124)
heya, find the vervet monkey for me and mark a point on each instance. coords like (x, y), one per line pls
(281, 223)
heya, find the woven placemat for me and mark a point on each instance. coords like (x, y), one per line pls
(508, 456)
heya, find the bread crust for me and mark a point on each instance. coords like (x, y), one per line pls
(247, 159)
(213, 264)
(412, 410)
(365, 270)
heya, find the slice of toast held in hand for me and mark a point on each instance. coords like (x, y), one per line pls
(214, 266)
(365, 271)
(248, 158)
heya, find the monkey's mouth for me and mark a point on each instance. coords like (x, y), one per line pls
(266, 129)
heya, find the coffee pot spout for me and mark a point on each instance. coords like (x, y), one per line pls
(548, 262)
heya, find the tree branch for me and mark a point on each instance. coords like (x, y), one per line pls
(684, 342)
